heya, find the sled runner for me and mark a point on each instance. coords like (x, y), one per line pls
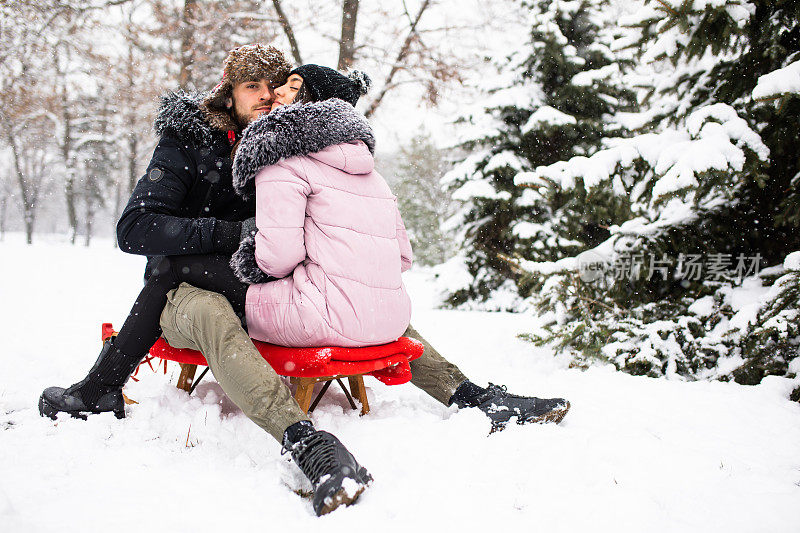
(306, 366)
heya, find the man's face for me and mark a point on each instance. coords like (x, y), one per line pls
(250, 99)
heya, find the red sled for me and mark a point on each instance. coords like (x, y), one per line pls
(305, 367)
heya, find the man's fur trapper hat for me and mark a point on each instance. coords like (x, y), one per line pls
(245, 63)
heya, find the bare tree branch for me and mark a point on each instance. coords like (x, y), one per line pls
(398, 62)
(407, 13)
(253, 16)
(101, 5)
(287, 29)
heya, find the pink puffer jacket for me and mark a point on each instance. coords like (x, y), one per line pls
(329, 226)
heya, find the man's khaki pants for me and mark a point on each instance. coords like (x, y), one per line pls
(205, 321)
(202, 320)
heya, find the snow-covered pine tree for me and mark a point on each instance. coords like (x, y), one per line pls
(554, 98)
(772, 341)
(422, 200)
(713, 181)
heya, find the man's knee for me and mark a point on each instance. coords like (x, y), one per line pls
(189, 310)
(189, 302)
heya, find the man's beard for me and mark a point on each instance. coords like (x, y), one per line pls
(241, 120)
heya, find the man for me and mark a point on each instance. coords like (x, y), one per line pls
(185, 204)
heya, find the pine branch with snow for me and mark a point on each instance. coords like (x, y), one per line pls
(557, 95)
(707, 175)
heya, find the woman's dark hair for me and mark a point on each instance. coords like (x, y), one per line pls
(303, 95)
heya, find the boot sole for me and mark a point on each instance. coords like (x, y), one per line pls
(554, 416)
(363, 478)
(341, 497)
(51, 411)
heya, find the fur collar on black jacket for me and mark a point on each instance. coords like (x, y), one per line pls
(180, 116)
(298, 129)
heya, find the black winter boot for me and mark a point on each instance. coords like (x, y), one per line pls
(99, 392)
(501, 407)
(333, 471)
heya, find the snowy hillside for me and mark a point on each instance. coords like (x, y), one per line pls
(634, 454)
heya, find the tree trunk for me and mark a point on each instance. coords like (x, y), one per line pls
(187, 44)
(66, 155)
(133, 155)
(347, 45)
(89, 220)
(133, 139)
(28, 228)
(117, 210)
(3, 211)
(124, 188)
(27, 198)
(72, 213)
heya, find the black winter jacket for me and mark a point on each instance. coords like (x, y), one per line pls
(185, 202)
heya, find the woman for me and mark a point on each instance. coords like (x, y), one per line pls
(328, 228)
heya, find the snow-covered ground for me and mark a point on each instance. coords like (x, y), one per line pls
(634, 454)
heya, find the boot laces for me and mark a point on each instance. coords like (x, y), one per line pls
(500, 390)
(315, 455)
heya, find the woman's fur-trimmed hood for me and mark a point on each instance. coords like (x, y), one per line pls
(298, 129)
(180, 116)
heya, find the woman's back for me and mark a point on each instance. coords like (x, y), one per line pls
(345, 256)
(351, 227)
